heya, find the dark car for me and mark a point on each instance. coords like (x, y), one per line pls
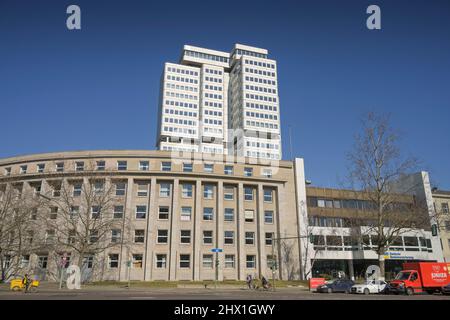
(446, 289)
(339, 285)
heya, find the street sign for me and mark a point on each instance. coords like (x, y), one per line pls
(216, 250)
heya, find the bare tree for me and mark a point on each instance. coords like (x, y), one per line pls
(376, 163)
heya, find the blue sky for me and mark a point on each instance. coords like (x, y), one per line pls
(98, 88)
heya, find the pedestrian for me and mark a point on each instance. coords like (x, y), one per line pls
(26, 282)
(249, 281)
(265, 283)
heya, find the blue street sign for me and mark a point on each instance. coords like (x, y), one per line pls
(216, 250)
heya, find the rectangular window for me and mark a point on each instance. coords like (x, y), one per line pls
(79, 166)
(208, 191)
(228, 193)
(228, 170)
(187, 190)
(141, 212)
(99, 187)
(186, 213)
(269, 237)
(74, 211)
(53, 213)
(207, 237)
(77, 190)
(118, 212)
(228, 237)
(268, 216)
(42, 262)
(250, 261)
(57, 190)
(187, 167)
(161, 261)
(208, 167)
(229, 214)
(23, 169)
(8, 171)
(144, 165)
(121, 165)
(139, 236)
(249, 238)
(248, 193)
(444, 207)
(163, 236)
(268, 195)
(93, 236)
(137, 261)
(166, 166)
(25, 261)
(208, 261)
(101, 165)
(115, 235)
(185, 261)
(229, 261)
(120, 189)
(59, 166)
(249, 215)
(95, 212)
(40, 167)
(267, 173)
(185, 236)
(163, 213)
(208, 214)
(164, 190)
(142, 189)
(114, 260)
(248, 172)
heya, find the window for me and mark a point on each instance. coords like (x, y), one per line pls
(229, 214)
(114, 260)
(25, 261)
(141, 212)
(142, 189)
(185, 261)
(267, 195)
(53, 213)
(207, 237)
(163, 213)
(208, 190)
(268, 216)
(144, 165)
(99, 187)
(187, 167)
(40, 167)
(229, 261)
(267, 173)
(164, 190)
(137, 261)
(95, 212)
(34, 213)
(93, 236)
(59, 166)
(248, 172)
(248, 193)
(166, 166)
(444, 207)
(187, 190)
(57, 190)
(79, 166)
(208, 167)
(186, 213)
(8, 171)
(23, 169)
(251, 261)
(185, 236)
(228, 170)
(228, 193)
(74, 211)
(88, 261)
(139, 236)
(269, 238)
(118, 212)
(77, 190)
(120, 189)
(121, 165)
(249, 215)
(161, 261)
(229, 237)
(101, 165)
(163, 236)
(208, 214)
(208, 261)
(115, 235)
(249, 238)
(42, 262)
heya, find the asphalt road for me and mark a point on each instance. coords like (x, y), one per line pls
(113, 293)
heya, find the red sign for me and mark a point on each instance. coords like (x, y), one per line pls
(315, 282)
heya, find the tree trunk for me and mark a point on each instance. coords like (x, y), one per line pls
(381, 264)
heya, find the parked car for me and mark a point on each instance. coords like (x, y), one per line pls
(446, 289)
(338, 285)
(370, 286)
